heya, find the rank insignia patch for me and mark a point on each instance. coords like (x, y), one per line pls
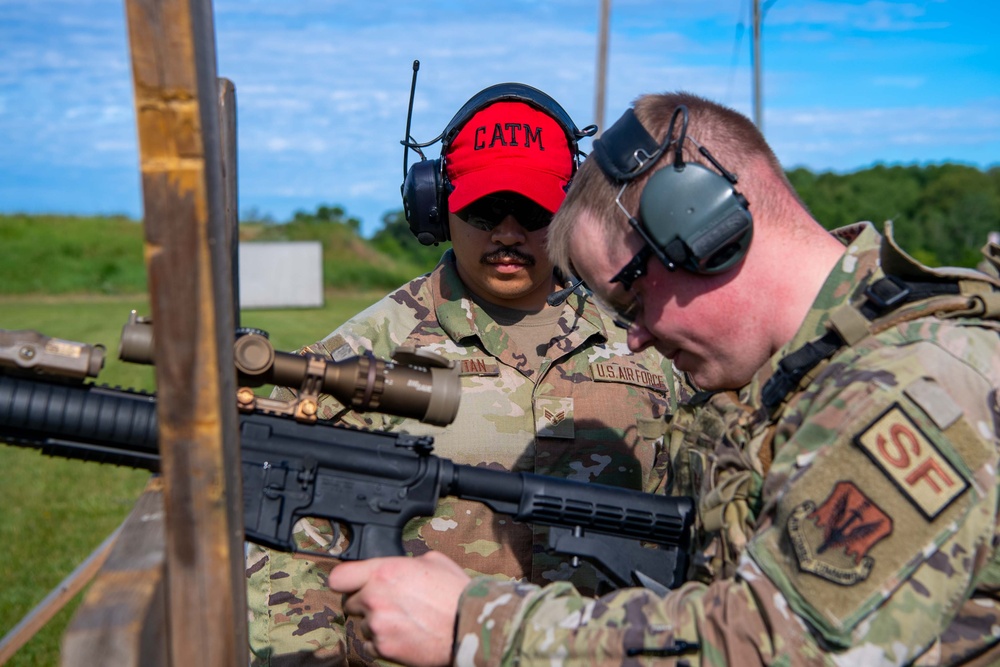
(554, 417)
(912, 461)
(832, 541)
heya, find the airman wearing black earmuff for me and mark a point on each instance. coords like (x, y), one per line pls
(843, 452)
(530, 136)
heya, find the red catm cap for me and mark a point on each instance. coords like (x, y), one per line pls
(509, 146)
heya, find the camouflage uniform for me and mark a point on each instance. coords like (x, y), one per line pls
(593, 411)
(851, 521)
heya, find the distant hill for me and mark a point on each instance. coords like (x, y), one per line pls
(52, 254)
(942, 216)
(62, 255)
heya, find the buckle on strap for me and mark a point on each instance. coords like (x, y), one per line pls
(891, 292)
(795, 366)
(887, 293)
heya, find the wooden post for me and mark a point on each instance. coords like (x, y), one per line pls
(190, 282)
(172, 590)
(227, 135)
(123, 617)
(601, 83)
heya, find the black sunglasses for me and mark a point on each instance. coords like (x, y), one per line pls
(636, 268)
(487, 212)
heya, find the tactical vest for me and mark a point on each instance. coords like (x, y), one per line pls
(721, 449)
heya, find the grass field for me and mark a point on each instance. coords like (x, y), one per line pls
(61, 255)
(54, 513)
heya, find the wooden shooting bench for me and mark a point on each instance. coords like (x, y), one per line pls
(171, 590)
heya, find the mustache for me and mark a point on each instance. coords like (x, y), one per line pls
(507, 255)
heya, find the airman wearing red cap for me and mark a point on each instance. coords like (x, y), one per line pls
(549, 389)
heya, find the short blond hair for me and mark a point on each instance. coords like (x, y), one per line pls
(730, 137)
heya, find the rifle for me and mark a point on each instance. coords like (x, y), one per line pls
(295, 466)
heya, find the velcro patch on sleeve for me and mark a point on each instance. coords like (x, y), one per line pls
(335, 347)
(627, 372)
(914, 463)
(832, 540)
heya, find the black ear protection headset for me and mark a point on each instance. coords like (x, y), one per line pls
(425, 186)
(689, 216)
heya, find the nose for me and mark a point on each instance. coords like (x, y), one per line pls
(509, 232)
(638, 337)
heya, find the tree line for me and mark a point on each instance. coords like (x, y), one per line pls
(942, 214)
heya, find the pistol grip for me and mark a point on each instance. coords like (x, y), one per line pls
(373, 541)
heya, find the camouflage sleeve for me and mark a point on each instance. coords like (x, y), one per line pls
(505, 623)
(875, 542)
(881, 509)
(293, 616)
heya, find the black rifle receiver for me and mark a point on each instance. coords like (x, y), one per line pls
(371, 482)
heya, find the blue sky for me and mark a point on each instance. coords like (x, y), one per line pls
(322, 86)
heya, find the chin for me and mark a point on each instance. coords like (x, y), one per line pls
(514, 285)
(715, 382)
(509, 289)
(699, 375)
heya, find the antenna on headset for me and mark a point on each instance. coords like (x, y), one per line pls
(409, 115)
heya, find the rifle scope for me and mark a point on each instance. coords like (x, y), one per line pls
(417, 384)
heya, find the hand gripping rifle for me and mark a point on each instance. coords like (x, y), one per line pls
(295, 466)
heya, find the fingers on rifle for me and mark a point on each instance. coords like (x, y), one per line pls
(349, 577)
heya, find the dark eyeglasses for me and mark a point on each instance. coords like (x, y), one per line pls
(626, 315)
(635, 269)
(487, 212)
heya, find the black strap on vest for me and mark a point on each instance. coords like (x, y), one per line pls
(882, 296)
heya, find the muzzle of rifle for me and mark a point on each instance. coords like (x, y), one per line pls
(30, 352)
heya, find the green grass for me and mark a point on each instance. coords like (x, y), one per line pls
(63, 255)
(55, 512)
(49, 254)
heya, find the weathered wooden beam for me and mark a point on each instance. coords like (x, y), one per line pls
(188, 263)
(123, 617)
(227, 135)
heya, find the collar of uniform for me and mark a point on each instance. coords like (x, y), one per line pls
(858, 267)
(457, 314)
(460, 317)
(581, 323)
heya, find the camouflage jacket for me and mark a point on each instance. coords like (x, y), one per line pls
(868, 530)
(593, 412)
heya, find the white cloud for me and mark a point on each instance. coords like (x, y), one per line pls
(322, 85)
(847, 139)
(872, 16)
